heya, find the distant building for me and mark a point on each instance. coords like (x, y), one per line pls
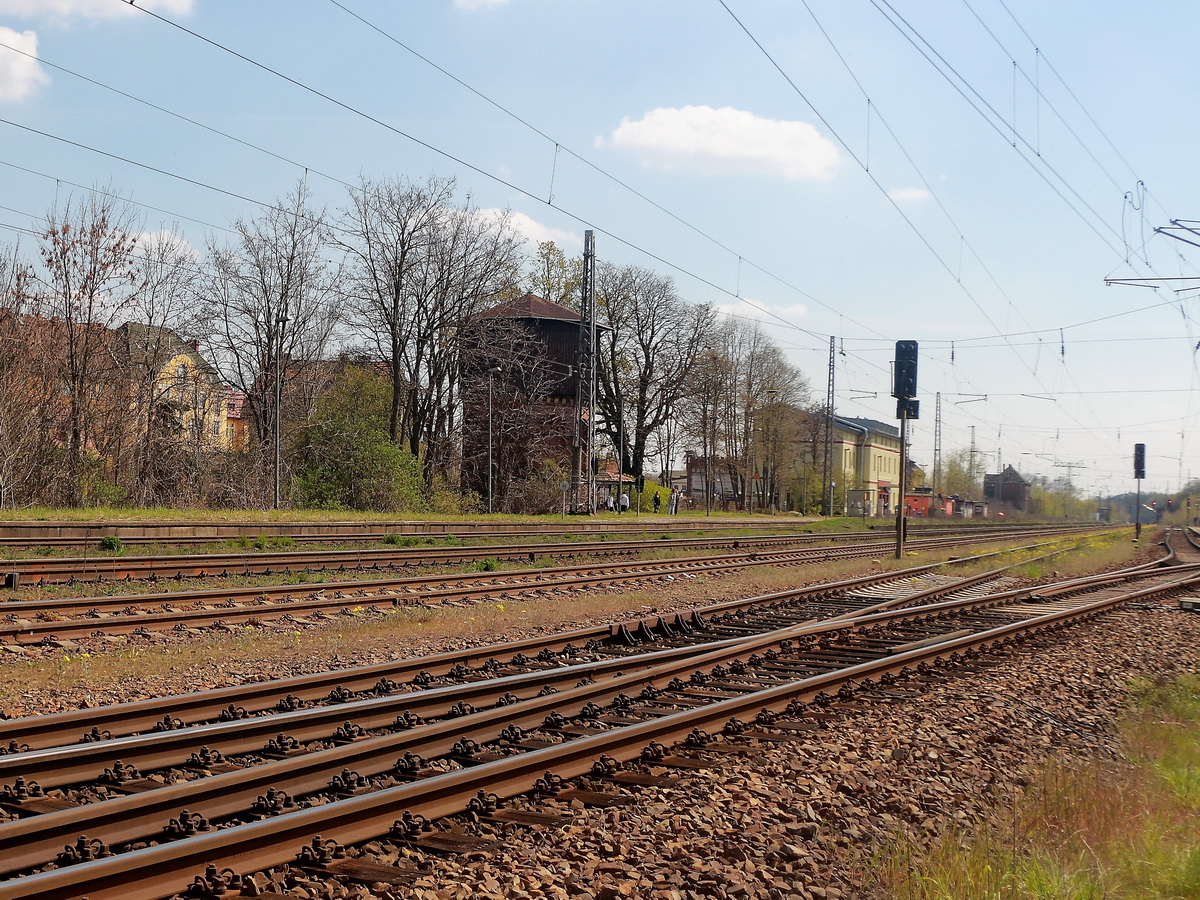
(700, 473)
(1008, 488)
(866, 461)
(527, 351)
(171, 386)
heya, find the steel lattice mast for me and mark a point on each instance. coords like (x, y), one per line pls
(583, 471)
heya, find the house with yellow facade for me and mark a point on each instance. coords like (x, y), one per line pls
(172, 391)
(866, 457)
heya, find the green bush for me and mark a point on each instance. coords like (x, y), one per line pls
(346, 459)
(111, 542)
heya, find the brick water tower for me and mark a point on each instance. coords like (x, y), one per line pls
(525, 358)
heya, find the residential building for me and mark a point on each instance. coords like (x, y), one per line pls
(866, 457)
(171, 388)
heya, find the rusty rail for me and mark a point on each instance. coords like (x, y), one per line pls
(159, 871)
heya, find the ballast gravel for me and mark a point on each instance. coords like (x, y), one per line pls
(792, 820)
(796, 819)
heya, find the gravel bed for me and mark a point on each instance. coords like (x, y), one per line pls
(792, 822)
(796, 821)
(231, 664)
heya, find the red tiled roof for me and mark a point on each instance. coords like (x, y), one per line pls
(531, 306)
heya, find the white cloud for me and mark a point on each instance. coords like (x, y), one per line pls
(900, 195)
(533, 230)
(165, 244)
(478, 4)
(65, 10)
(726, 139)
(20, 76)
(748, 308)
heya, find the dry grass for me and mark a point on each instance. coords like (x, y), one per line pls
(1119, 830)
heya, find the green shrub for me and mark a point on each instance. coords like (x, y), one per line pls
(346, 459)
(111, 542)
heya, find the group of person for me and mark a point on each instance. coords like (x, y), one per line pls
(675, 501)
(612, 504)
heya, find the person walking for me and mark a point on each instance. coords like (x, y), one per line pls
(608, 503)
(657, 502)
(624, 501)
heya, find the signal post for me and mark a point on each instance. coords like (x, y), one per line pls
(904, 389)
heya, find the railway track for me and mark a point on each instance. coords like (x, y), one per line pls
(747, 674)
(256, 698)
(32, 621)
(18, 572)
(24, 535)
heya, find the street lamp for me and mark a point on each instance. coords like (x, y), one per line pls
(754, 431)
(490, 373)
(281, 321)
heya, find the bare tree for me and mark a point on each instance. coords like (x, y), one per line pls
(270, 308)
(170, 410)
(649, 343)
(388, 232)
(422, 269)
(30, 399)
(90, 280)
(743, 409)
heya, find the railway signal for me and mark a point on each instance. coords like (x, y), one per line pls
(904, 389)
(1139, 472)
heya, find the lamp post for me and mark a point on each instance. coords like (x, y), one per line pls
(490, 373)
(281, 321)
(750, 486)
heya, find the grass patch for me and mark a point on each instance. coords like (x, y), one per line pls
(1114, 829)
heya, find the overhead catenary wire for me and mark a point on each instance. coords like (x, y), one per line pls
(792, 324)
(874, 180)
(528, 193)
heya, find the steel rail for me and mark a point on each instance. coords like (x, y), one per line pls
(37, 534)
(162, 870)
(72, 763)
(118, 719)
(45, 533)
(79, 617)
(27, 843)
(58, 570)
(128, 568)
(466, 585)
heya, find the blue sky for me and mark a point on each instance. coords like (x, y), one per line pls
(869, 194)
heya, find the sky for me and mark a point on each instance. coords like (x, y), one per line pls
(966, 174)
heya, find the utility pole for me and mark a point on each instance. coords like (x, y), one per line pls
(972, 473)
(583, 475)
(937, 444)
(827, 471)
(281, 321)
(1070, 467)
